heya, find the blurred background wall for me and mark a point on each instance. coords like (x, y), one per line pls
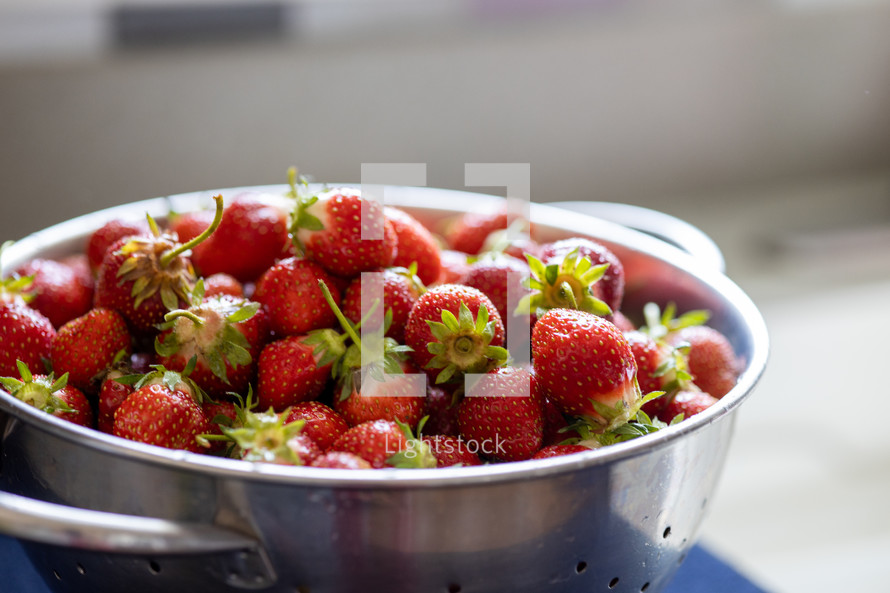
(108, 102)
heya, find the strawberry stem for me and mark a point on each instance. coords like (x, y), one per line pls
(196, 319)
(568, 295)
(347, 327)
(171, 254)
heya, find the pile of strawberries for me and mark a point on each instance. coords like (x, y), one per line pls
(336, 332)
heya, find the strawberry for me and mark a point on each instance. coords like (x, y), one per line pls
(685, 403)
(86, 346)
(340, 460)
(559, 450)
(289, 373)
(59, 290)
(415, 245)
(505, 424)
(251, 236)
(163, 410)
(400, 289)
(322, 424)
(144, 277)
(112, 394)
(453, 330)
(225, 335)
(328, 227)
(268, 437)
(53, 396)
(385, 443)
(555, 424)
(708, 355)
(610, 288)
(218, 284)
(566, 281)
(712, 361)
(394, 398)
(440, 409)
(26, 335)
(290, 295)
(454, 265)
(470, 230)
(585, 366)
(374, 441)
(498, 276)
(370, 389)
(110, 233)
(451, 451)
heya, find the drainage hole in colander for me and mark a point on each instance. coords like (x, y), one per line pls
(645, 587)
(581, 567)
(667, 532)
(154, 567)
(454, 588)
(613, 583)
(681, 559)
(80, 568)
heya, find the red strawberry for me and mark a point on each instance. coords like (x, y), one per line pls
(497, 276)
(453, 330)
(454, 265)
(440, 408)
(290, 294)
(219, 284)
(470, 230)
(322, 424)
(289, 373)
(188, 225)
(687, 402)
(268, 437)
(86, 346)
(53, 396)
(504, 414)
(112, 394)
(60, 291)
(585, 366)
(163, 413)
(555, 424)
(415, 245)
(559, 450)
(340, 460)
(26, 335)
(225, 335)
(451, 451)
(110, 233)
(712, 361)
(375, 441)
(329, 228)
(252, 236)
(395, 398)
(142, 278)
(610, 287)
(400, 289)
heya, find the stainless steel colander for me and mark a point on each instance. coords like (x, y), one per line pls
(101, 514)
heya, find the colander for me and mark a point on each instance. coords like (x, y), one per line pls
(102, 514)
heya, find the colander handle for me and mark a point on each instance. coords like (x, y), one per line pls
(55, 524)
(669, 229)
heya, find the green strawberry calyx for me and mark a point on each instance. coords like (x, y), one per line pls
(208, 330)
(417, 453)
(265, 437)
(566, 284)
(153, 265)
(37, 391)
(172, 380)
(661, 323)
(624, 423)
(350, 362)
(462, 344)
(301, 217)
